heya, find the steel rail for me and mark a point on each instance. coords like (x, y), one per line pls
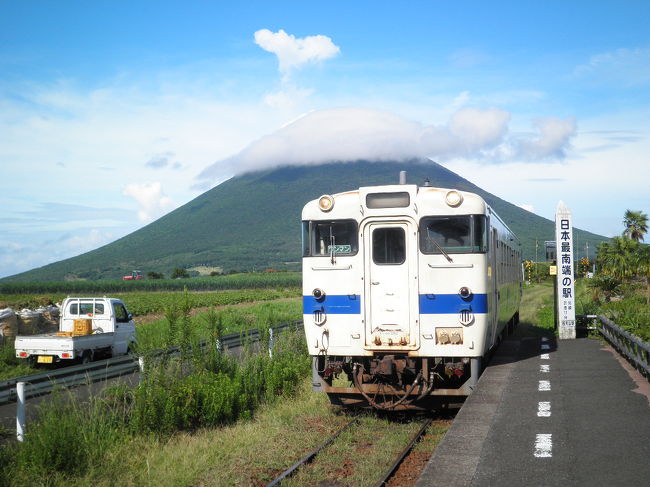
(310, 456)
(45, 382)
(400, 458)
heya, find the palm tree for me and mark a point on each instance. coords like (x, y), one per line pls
(643, 267)
(618, 258)
(608, 285)
(636, 224)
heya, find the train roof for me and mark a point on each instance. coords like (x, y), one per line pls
(398, 199)
(375, 199)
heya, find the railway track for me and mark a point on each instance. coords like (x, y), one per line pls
(330, 446)
(310, 456)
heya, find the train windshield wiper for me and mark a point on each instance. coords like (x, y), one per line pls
(442, 250)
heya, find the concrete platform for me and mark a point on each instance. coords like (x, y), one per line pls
(549, 413)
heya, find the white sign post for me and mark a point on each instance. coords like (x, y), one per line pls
(565, 279)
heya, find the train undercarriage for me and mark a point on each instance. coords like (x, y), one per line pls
(395, 382)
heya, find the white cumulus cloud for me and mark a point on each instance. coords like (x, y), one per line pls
(350, 134)
(152, 202)
(552, 140)
(294, 52)
(479, 129)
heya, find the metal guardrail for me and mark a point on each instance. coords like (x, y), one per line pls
(633, 348)
(46, 382)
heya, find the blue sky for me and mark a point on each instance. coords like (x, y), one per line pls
(114, 113)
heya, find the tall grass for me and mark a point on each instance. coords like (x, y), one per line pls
(162, 333)
(10, 366)
(68, 438)
(197, 390)
(631, 313)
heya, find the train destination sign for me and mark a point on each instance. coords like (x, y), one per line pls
(565, 277)
(339, 249)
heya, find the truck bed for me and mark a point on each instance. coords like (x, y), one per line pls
(50, 343)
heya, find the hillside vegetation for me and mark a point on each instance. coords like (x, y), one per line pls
(252, 222)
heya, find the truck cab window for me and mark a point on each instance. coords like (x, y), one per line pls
(121, 316)
(86, 309)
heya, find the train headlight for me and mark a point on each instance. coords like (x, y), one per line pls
(453, 198)
(465, 292)
(326, 202)
(318, 294)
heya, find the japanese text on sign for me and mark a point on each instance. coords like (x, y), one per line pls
(565, 277)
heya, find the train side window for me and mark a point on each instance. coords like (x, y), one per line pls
(480, 233)
(305, 239)
(388, 246)
(321, 238)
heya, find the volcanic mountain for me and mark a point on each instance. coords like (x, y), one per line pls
(252, 222)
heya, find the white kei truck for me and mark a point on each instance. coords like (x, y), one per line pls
(89, 328)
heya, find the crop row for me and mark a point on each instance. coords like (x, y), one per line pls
(213, 283)
(143, 302)
(147, 303)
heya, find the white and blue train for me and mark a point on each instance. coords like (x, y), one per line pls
(406, 289)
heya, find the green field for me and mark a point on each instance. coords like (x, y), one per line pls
(214, 283)
(265, 300)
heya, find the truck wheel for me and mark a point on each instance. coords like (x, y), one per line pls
(86, 358)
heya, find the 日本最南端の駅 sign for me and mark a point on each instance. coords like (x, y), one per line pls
(565, 279)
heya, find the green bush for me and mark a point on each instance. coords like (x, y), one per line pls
(71, 439)
(214, 389)
(632, 314)
(179, 273)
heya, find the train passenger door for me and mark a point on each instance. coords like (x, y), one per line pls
(391, 304)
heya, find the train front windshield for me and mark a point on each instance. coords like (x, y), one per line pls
(462, 234)
(322, 238)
